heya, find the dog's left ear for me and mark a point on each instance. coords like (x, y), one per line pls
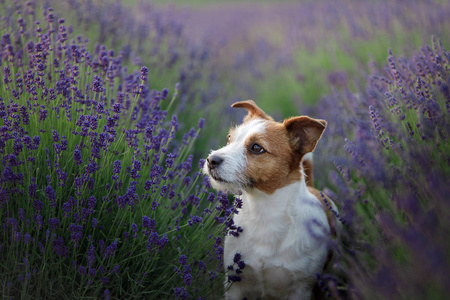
(304, 133)
(253, 110)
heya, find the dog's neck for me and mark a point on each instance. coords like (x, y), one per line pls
(258, 202)
(268, 214)
(295, 188)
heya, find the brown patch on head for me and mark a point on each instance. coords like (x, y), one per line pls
(278, 166)
(304, 133)
(253, 110)
(284, 143)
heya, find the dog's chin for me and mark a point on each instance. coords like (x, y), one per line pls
(222, 184)
(225, 186)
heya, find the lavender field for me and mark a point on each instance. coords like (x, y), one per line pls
(108, 109)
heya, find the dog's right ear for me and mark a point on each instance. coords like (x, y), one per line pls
(304, 133)
(253, 110)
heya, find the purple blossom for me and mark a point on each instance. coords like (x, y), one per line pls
(144, 73)
(82, 270)
(50, 192)
(54, 223)
(219, 253)
(201, 123)
(182, 260)
(91, 202)
(237, 258)
(111, 249)
(42, 115)
(67, 209)
(38, 220)
(115, 269)
(92, 166)
(27, 238)
(187, 278)
(60, 248)
(163, 241)
(77, 157)
(148, 223)
(181, 293)
(106, 294)
(164, 93)
(97, 84)
(92, 272)
(195, 220)
(76, 233)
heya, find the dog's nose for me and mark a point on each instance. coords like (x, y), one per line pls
(214, 161)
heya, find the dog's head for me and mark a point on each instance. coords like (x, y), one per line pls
(262, 153)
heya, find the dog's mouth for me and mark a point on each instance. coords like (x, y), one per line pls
(236, 186)
(223, 181)
(217, 177)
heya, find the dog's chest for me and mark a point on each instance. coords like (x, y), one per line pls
(276, 242)
(273, 233)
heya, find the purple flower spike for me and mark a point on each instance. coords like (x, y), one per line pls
(77, 157)
(54, 223)
(201, 123)
(106, 295)
(144, 73)
(50, 192)
(182, 259)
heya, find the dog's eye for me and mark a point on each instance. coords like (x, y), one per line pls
(228, 139)
(257, 149)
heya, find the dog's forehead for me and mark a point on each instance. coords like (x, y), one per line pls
(256, 126)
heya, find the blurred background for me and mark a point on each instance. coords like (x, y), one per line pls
(286, 55)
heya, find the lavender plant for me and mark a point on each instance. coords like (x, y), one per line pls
(99, 194)
(391, 148)
(155, 37)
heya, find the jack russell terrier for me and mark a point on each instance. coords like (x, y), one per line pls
(286, 226)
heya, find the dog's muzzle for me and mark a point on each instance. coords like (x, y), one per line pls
(214, 161)
(224, 175)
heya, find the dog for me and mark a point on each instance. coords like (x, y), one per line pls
(286, 226)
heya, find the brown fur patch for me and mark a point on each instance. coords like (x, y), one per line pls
(253, 110)
(279, 166)
(304, 132)
(309, 174)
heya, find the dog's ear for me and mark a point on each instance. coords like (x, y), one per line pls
(304, 133)
(253, 110)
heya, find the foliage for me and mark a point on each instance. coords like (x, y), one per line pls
(391, 148)
(97, 196)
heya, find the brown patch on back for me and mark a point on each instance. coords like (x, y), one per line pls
(331, 218)
(279, 166)
(253, 110)
(309, 174)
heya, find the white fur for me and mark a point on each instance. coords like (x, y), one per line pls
(284, 243)
(235, 159)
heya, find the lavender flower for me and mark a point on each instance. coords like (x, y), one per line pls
(182, 260)
(54, 223)
(144, 73)
(77, 157)
(49, 191)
